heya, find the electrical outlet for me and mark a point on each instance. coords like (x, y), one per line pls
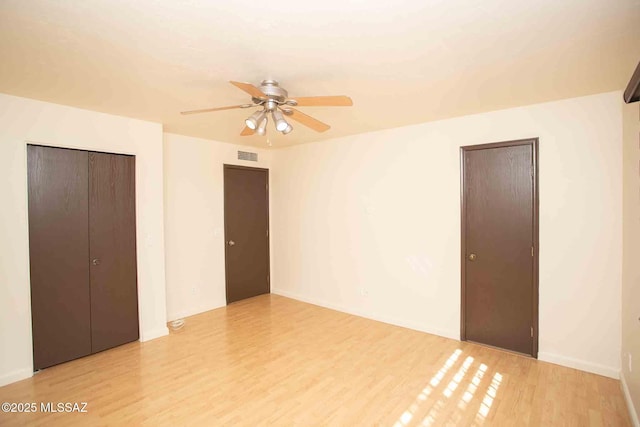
(364, 292)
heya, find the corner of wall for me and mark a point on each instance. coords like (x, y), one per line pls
(630, 295)
(627, 397)
(14, 376)
(153, 334)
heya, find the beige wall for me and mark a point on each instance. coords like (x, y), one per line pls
(370, 224)
(23, 121)
(631, 258)
(194, 220)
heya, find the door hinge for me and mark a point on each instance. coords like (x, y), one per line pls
(267, 233)
(532, 332)
(532, 251)
(268, 282)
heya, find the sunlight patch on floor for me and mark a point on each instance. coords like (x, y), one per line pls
(473, 386)
(407, 415)
(489, 396)
(431, 417)
(457, 380)
(458, 377)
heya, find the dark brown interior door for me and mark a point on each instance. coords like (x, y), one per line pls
(499, 240)
(58, 251)
(112, 242)
(246, 222)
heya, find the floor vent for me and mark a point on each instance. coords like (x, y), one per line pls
(245, 155)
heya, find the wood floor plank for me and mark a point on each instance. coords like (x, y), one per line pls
(271, 360)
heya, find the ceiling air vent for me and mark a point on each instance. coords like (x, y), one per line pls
(245, 155)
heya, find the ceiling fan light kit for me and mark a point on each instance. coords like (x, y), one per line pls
(279, 121)
(275, 100)
(287, 130)
(254, 119)
(262, 127)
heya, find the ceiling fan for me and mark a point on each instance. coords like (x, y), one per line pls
(275, 101)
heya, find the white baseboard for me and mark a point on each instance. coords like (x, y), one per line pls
(373, 316)
(195, 310)
(153, 334)
(582, 365)
(14, 376)
(627, 396)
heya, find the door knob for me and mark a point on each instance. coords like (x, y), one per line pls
(472, 257)
(231, 243)
(95, 261)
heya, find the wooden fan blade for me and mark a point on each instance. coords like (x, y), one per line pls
(250, 89)
(324, 101)
(247, 131)
(308, 121)
(207, 110)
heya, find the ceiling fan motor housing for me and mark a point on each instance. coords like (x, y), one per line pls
(272, 89)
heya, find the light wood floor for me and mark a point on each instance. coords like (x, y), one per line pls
(275, 361)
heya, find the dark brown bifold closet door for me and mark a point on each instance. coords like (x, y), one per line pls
(59, 250)
(112, 245)
(82, 244)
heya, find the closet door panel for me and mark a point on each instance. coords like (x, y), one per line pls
(59, 254)
(112, 242)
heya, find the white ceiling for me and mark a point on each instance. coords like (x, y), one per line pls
(403, 62)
